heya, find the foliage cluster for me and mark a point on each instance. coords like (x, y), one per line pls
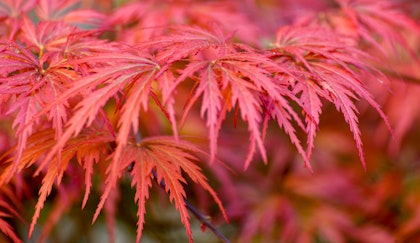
(217, 100)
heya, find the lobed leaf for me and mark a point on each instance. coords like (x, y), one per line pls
(164, 158)
(331, 69)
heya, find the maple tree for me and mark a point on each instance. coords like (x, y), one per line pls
(98, 97)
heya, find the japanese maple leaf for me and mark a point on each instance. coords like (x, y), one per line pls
(227, 75)
(59, 42)
(334, 71)
(129, 73)
(36, 72)
(26, 86)
(34, 75)
(164, 159)
(87, 148)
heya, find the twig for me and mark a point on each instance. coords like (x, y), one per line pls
(203, 219)
(205, 222)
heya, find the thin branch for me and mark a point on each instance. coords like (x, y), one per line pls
(205, 222)
(203, 219)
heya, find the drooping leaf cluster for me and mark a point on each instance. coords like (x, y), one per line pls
(100, 94)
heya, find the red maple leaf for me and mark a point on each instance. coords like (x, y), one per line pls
(330, 68)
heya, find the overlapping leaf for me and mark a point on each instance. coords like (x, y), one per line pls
(34, 73)
(87, 148)
(334, 71)
(164, 159)
(121, 73)
(228, 75)
(20, 82)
